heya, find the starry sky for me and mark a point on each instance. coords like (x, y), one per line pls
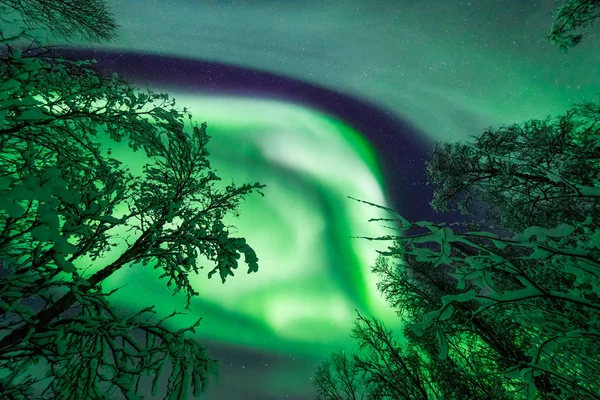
(320, 101)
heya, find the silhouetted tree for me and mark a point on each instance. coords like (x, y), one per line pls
(537, 290)
(62, 197)
(88, 19)
(338, 379)
(571, 17)
(469, 351)
(381, 369)
(384, 369)
(515, 307)
(524, 174)
(388, 370)
(508, 306)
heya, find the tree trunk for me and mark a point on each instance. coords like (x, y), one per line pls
(46, 316)
(498, 341)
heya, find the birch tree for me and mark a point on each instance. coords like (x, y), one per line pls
(65, 19)
(569, 21)
(540, 283)
(523, 174)
(62, 197)
(510, 301)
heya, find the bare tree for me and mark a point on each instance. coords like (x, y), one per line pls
(506, 307)
(535, 294)
(62, 195)
(338, 379)
(524, 174)
(571, 17)
(388, 369)
(88, 19)
(384, 369)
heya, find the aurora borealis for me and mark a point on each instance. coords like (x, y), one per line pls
(320, 101)
(314, 274)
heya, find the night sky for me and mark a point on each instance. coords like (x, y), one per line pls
(320, 101)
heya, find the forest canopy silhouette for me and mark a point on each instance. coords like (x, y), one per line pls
(63, 197)
(506, 306)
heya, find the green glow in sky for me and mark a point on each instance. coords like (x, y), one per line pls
(311, 275)
(451, 68)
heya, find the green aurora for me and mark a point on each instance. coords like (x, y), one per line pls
(450, 68)
(311, 275)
